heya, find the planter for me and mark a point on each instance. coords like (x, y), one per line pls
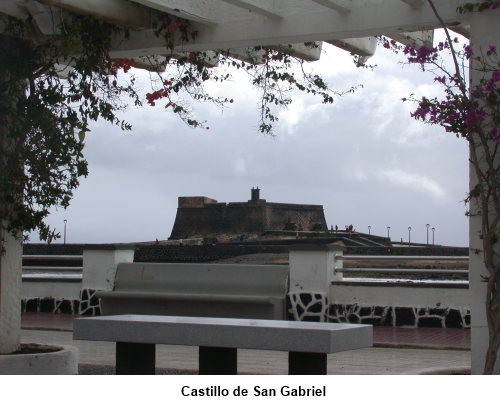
(33, 359)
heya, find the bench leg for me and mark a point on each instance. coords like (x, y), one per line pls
(300, 363)
(218, 360)
(135, 358)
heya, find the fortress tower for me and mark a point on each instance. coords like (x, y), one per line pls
(202, 216)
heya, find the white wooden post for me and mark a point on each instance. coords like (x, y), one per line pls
(485, 31)
(312, 270)
(100, 263)
(99, 271)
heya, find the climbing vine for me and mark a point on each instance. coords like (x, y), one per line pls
(45, 112)
(473, 114)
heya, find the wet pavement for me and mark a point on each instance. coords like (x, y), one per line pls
(395, 351)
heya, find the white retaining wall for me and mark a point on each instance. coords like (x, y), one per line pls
(53, 289)
(413, 296)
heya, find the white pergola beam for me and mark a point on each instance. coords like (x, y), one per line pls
(358, 46)
(63, 70)
(248, 55)
(119, 12)
(342, 6)
(462, 30)
(210, 59)
(418, 38)
(309, 53)
(266, 8)
(153, 63)
(301, 51)
(414, 3)
(47, 18)
(158, 63)
(202, 11)
(305, 52)
(12, 8)
(384, 17)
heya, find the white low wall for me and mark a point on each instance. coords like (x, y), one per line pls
(414, 296)
(71, 290)
(53, 289)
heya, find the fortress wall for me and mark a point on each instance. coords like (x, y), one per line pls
(277, 215)
(215, 219)
(235, 218)
(203, 216)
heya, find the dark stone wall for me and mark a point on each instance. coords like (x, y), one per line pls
(206, 253)
(203, 253)
(52, 249)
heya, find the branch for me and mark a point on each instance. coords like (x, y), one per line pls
(462, 86)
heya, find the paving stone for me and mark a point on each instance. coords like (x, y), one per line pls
(363, 361)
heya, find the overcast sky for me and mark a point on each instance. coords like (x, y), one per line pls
(363, 158)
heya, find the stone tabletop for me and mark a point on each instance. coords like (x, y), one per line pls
(310, 337)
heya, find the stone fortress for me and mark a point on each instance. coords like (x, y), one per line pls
(202, 216)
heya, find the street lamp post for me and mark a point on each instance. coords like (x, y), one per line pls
(427, 225)
(409, 236)
(369, 230)
(388, 229)
(65, 231)
(433, 229)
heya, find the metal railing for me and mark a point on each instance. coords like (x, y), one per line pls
(52, 273)
(398, 270)
(52, 277)
(51, 268)
(54, 257)
(396, 258)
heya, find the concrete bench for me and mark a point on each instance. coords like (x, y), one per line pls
(206, 290)
(308, 343)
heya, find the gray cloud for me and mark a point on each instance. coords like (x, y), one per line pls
(364, 158)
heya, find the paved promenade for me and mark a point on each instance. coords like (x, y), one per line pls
(395, 351)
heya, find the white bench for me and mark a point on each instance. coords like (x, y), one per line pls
(194, 289)
(308, 343)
